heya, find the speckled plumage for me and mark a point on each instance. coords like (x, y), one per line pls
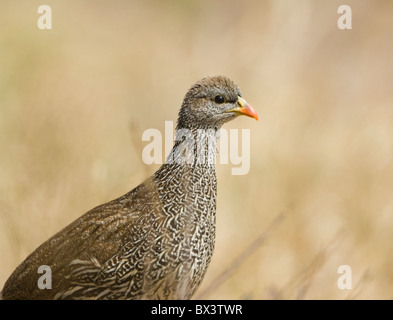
(154, 242)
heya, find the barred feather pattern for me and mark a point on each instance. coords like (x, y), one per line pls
(155, 242)
(170, 246)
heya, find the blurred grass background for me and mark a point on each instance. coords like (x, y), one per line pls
(75, 100)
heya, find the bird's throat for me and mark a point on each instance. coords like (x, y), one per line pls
(194, 147)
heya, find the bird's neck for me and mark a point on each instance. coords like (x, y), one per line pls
(194, 147)
(187, 180)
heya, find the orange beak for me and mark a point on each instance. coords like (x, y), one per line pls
(243, 108)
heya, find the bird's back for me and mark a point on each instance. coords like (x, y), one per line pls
(151, 243)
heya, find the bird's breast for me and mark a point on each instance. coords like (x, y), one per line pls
(187, 220)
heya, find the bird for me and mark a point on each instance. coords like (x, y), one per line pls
(157, 240)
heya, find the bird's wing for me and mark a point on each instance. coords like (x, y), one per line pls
(80, 251)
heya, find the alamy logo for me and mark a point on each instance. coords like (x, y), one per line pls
(199, 147)
(44, 281)
(45, 20)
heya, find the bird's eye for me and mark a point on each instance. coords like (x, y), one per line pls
(219, 99)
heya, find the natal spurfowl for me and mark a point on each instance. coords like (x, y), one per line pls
(156, 241)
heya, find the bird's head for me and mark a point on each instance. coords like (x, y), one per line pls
(211, 102)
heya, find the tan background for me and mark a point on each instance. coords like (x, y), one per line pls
(75, 100)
